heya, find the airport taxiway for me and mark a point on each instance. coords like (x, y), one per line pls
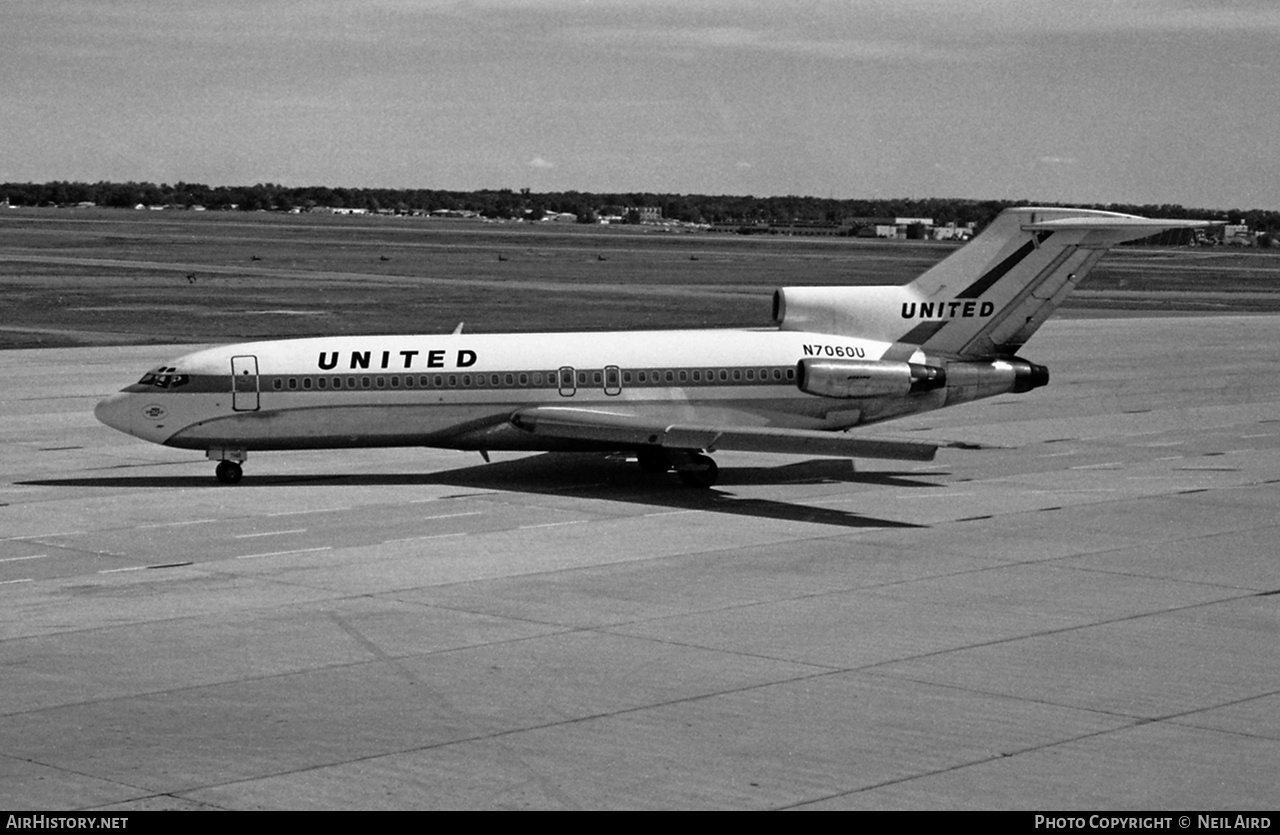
(1080, 614)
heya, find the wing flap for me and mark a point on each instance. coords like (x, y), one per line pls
(629, 431)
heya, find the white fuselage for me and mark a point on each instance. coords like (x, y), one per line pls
(456, 390)
(950, 336)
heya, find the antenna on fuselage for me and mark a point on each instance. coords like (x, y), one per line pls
(458, 329)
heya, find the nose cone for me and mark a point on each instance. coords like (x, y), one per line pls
(114, 411)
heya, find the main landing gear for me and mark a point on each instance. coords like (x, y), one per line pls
(698, 471)
(228, 470)
(693, 468)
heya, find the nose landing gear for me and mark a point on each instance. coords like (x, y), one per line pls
(228, 470)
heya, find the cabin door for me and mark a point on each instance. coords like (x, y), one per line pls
(244, 383)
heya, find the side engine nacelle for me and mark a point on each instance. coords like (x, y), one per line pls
(866, 378)
(974, 380)
(962, 380)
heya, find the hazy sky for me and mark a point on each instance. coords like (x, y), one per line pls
(1134, 101)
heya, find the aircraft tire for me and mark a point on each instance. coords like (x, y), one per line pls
(653, 460)
(701, 475)
(229, 472)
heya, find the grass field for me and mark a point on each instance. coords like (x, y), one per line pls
(98, 276)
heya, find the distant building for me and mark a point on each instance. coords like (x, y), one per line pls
(1237, 234)
(809, 228)
(951, 232)
(648, 214)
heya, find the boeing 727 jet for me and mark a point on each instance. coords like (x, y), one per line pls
(838, 358)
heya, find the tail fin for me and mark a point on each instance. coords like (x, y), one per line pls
(985, 299)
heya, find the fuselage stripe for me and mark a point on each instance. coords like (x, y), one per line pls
(997, 272)
(611, 379)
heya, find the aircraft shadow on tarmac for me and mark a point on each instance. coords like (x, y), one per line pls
(590, 476)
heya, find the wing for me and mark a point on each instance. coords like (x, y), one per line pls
(630, 432)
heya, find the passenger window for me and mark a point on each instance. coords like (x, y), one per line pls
(364, 382)
(697, 376)
(671, 377)
(293, 383)
(395, 382)
(306, 382)
(277, 384)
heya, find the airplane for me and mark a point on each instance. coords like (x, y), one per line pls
(837, 358)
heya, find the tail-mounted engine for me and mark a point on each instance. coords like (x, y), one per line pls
(866, 378)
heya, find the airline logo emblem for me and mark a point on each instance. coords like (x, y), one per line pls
(947, 310)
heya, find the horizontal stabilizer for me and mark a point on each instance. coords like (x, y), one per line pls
(631, 432)
(1114, 221)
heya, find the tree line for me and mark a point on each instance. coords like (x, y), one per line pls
(745, 210)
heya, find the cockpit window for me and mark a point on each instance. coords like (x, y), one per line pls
(164, 378)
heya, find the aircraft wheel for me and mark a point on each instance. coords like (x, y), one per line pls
(653, 460)
(229, 472)
(701, 472)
